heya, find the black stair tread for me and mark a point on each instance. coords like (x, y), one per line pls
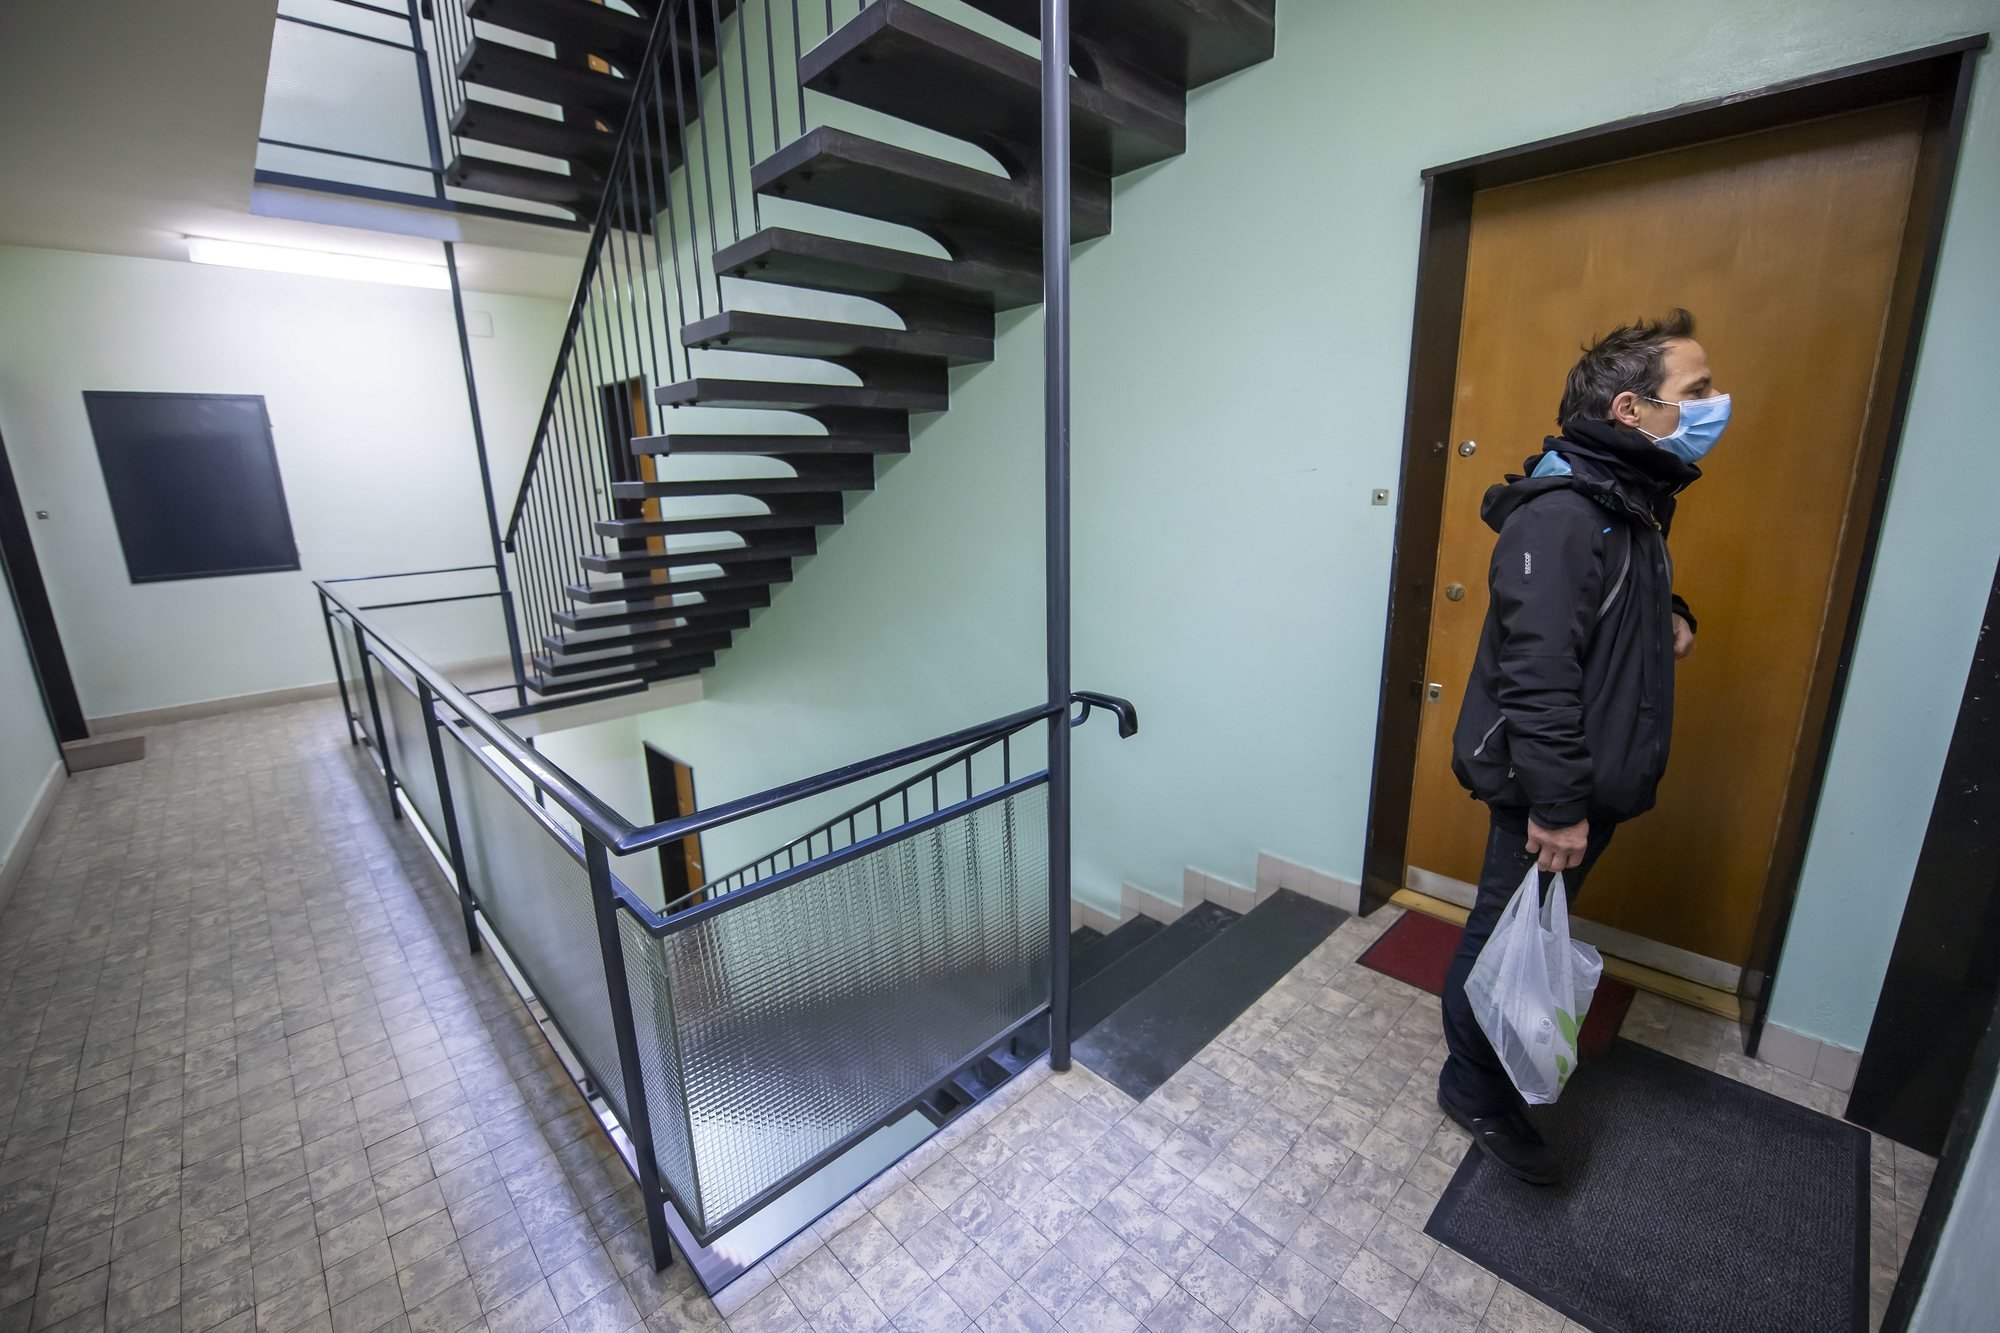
(791, 335)
(772, 446)
(749, 599)
(1168, 1023)
(786, 396)
(1108, 949)
(693, 666)
(655, 592)
(573, 141)
(633, 669)
(827, 263)
(861, 479)
(697, 633)
(835, 168)
(580, 25)
(1185, 42)
(687, 646)
(1081, 939)
(910, 63)
(1108, 991)
(509, 69)
(787, 546)
(579, 190)
(786, 512)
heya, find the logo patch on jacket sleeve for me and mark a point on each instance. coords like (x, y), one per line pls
(1527, 564)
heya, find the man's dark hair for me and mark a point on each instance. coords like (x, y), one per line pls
(1630, 358)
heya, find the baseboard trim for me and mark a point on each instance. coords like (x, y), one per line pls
(14, 862)
(1135, 901)
(1274, 872)
(240, 703)
(237, 703)
(1809, 1057)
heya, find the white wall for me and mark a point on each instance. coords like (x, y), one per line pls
(1241, 358)
(28, 758)
(367, 401)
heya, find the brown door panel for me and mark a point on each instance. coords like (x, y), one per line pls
(1784, 244)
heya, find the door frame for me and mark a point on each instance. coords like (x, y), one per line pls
(687, 850)
(21, 569)
(1941, 75)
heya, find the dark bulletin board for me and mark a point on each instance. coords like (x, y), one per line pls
(194, 484)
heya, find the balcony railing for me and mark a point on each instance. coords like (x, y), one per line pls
(743, 1037)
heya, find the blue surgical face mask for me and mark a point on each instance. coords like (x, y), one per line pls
(1702, 422)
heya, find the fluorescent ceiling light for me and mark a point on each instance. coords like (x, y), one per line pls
(315, 263)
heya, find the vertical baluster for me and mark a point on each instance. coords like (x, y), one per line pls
(728, 132)
(771, 68)
(541, 505)
(658, 206)
(597, 358)
(798, 54)
(673, 229)
(682, 104)
(749, 111)
(581, 456)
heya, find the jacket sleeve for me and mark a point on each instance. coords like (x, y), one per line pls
(1546, 581)
(1681, 610)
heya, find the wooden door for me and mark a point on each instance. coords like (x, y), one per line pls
(1784, 244)
(672, 786)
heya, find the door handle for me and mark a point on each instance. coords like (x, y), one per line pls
(1454, 592)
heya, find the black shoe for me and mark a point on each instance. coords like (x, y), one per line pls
(1511, 1140)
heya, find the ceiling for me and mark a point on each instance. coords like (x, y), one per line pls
(128, 125)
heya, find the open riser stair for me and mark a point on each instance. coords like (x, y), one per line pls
(624, 511)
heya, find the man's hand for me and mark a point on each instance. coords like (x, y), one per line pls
(1559, 849)
(1683, 638)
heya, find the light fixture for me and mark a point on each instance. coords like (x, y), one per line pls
(315, 263)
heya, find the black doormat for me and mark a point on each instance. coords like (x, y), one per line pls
(1693, 1204)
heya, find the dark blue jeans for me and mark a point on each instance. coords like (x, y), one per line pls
(1473, 1077)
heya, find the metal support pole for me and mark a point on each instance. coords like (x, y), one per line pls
(1055, 443)
(433, 726)
(424, 96)
(339, 676)
(486, 478)
(639, 1124)
(375, 711)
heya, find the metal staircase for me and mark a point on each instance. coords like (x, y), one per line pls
(632, 569)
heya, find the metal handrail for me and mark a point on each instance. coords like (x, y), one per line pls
(619, 834)
(851, 815)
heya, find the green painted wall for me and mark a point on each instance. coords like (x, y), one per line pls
(1241, 359)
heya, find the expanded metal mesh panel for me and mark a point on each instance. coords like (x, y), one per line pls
(659, 1059)
(532, 885)
(403, 716)
(807, 1015)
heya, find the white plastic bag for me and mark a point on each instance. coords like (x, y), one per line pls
(1530, 989)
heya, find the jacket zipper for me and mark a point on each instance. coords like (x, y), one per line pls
(1488, 736)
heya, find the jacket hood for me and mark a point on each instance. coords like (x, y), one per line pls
(1619, 468)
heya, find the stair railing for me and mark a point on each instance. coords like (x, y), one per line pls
(717, 91)
(899, 956)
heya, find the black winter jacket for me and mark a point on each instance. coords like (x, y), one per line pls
(1571, 703)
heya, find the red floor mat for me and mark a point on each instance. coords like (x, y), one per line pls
(1418, 950)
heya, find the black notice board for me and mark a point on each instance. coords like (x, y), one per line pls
(194, 485)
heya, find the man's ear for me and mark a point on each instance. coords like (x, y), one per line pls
(1625, 409)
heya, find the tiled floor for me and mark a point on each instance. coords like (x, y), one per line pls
(251, 1081)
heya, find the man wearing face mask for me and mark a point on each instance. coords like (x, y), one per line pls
(1566, 720)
